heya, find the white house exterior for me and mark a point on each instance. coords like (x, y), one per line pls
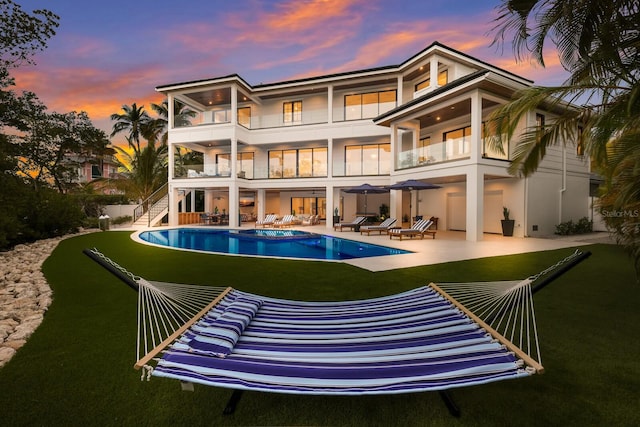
(297, 144)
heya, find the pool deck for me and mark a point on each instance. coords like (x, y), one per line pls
(452, 246)
(449, 246)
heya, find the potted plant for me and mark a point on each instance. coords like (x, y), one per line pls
(507, 224)
(336, 216)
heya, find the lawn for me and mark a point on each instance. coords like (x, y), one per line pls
(77, 368)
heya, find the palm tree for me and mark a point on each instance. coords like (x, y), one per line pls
(143, 170)
(598, 42)
(182, 115)
(132, 121)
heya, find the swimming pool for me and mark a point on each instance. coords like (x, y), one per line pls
(266, 242)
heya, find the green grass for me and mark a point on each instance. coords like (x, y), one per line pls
(77, 368)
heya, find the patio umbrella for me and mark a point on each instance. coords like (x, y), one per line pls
(366, 189)
(413, 184)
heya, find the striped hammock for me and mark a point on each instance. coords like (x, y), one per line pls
(410, 342)
(432, 338)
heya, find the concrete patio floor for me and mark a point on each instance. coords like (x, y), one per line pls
(452, 246)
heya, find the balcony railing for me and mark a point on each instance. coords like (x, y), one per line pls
(276, 120)
(452, 149)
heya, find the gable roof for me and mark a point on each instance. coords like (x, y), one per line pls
(347, 74)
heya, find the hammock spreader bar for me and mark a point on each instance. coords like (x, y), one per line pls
(135, 282)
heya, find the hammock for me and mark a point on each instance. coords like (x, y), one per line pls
(420, 340)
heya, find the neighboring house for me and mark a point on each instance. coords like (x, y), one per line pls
(91, 167)
(295, 145)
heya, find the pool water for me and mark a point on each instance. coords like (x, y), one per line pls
(266, 242)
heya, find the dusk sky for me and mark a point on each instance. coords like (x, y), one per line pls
(106, 54)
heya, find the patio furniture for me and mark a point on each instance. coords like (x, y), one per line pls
(420, 228)
(383, 227)
(352, 225)
(267, 221)
(286, 221)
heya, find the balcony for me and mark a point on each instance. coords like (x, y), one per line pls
(451, 149)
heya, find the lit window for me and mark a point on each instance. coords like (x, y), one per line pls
(292, 112)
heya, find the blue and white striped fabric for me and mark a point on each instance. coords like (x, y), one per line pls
(409, 342)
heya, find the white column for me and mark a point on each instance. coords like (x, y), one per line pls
(193, 200)
(234, 208)
(173, 205)
(395, 205)
(330, 104)
(262, 201)
(393, 138)
(208, 200)
(330, 159)
(433, 72)
(332, 203)
(475, 203)
(476, 127)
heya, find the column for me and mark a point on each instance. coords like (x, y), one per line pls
(173, 205)
(332, 203)
(261, 202)
(476, 127)
(475, 203)
(234, 209)
(395, 206)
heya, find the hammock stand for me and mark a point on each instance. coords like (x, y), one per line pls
(532, 284)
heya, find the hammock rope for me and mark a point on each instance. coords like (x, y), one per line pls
(169, 313)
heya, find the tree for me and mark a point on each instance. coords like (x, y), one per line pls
(22, 34)
(144, 170)
(182, 116)
(133, 120)
(598, 43)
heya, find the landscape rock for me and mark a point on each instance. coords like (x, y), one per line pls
(25, 294)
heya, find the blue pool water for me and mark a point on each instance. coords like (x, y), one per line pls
(276, 243)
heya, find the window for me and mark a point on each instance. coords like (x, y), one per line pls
(244, 117)
(424, 154)
(245, 165)
(489, 140)
(292, 112)
(95, 172)
(457, 142)
(443, 79)
(368, 105)
(580, 144)
(223, 163)
(540, 121)
(294, 163)
(370, 159)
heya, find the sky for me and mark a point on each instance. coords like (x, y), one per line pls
(108, 54)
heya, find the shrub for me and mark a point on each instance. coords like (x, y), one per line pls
(584, 225)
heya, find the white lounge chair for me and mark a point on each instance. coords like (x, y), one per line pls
(267, 221)
(286, 221)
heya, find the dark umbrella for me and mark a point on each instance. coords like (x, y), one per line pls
(413, 184)
(366, 189)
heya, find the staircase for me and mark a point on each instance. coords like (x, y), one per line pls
(151, 211)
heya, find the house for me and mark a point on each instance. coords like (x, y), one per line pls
(293, 146)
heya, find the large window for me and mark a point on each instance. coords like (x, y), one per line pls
(458, 142)
(223, 164)
(370, 159)
(294, 163)
(292, 112)
(368, 105)
(244, 117)
(245, 165)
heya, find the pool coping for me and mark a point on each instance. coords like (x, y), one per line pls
(448, 246)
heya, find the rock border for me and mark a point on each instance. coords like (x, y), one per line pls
(25, 294)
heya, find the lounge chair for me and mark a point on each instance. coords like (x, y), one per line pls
(352, 225)
(267, 221)
(312, 220)
(286, 221)
(420, 228)
(383, 227)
